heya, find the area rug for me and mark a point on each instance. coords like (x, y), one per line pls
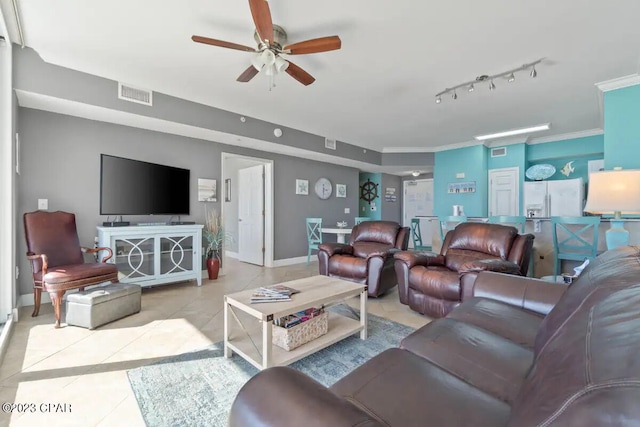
(198, 388)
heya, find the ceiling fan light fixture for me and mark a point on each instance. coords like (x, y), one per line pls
(281, 64)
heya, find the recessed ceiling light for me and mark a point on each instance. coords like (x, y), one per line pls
(538, 128)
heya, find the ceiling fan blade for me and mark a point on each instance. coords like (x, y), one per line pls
(322, 44)
(221, 43)
(247, 75)
(299, 74)
(262, 19)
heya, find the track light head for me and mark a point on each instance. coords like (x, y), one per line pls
(471, 88)
(455, 95)
(492, 86)
(534, 73)
(512, 78)
(438, 100)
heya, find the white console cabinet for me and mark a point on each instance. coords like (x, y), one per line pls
(154, 255)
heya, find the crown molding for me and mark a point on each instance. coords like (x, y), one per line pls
(407, 150)
(565, 136)
(619, 83)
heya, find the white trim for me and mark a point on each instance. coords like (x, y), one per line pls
(458, 145)
(290, 261)
(26, 300)
(5, 337)
(404, 199)
(565, 136)
(407, 150)
(619, 83)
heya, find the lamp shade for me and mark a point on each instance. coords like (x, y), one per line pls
(614, 191)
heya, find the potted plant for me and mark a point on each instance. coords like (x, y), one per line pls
(216, 236)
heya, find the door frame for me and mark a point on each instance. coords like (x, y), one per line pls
(516, 169)
(268, 202)
(404, 191)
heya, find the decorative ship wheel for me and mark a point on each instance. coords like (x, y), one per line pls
(369, 191)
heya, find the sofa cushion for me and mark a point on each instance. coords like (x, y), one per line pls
(610, 272)
(485, 360)
(348, 267)
(492, 239)
(435, 281)
(375, 231)
(589, 372)
(402, 389)
(507, 321)
(456, 258)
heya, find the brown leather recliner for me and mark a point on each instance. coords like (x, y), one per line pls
(430, 284)
(368, 258)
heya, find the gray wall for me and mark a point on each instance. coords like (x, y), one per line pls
(391, 211)
(61, 162)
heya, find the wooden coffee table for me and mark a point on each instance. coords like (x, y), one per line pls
(316, 291)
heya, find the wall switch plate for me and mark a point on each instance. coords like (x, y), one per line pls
(347, 210)
(43, 204)
(460, 175)
(537, 226)
(364, 209)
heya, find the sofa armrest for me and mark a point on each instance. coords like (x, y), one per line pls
(285, 397)
(531, 294)
(413, 258)
(383, 254)
(336, 249)
(495, 265)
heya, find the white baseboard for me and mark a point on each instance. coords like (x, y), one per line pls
(27, 299)
(5, 337)
(230, 254)
(293, 261)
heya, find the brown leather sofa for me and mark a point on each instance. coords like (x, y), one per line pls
(518, 352)
(430, 284)
(368, 258)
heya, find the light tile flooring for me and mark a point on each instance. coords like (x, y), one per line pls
(87, 369)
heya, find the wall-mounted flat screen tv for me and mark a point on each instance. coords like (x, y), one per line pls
(133, 187)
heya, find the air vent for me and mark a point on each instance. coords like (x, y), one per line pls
(134, 94)
(330, 144)
(499, 152)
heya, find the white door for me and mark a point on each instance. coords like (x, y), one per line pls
(418, 201)
(251, 215)
(504, 197)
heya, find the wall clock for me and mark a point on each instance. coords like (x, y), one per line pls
(323, 188)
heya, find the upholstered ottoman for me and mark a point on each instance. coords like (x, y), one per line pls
(97, 306)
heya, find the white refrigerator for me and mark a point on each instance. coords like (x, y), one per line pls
(554, 198)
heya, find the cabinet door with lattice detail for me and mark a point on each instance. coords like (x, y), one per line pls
(176, 254)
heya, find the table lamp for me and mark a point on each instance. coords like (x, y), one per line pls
(614, 192)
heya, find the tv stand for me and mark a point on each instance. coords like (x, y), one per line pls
(155, 255)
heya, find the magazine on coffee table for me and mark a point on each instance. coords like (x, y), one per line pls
(275, 293)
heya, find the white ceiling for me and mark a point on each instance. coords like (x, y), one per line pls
(378, 90)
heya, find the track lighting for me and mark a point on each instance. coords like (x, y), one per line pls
(510, 75)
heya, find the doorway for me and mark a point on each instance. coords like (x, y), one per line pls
(418, 202)
(504, 191)
(247, 208)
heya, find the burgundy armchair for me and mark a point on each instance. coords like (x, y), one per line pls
(368, 258)
(435, 284)
(56, 258)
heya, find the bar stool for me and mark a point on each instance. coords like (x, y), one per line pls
(360, 219)
(416, 236)
(574, 245)
(446, 221)
(314, 235)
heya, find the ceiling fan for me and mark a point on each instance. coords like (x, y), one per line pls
(272, 41)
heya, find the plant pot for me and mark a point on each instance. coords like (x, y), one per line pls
(213, 267)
